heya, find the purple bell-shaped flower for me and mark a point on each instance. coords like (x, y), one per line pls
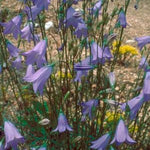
(87, 108)
(17, 63)
(82, 69)
(81, 30)
(146, 87)
(122, 134)
(12, 136)
(134, 105)
(99, 54)
(33, 12)
(13, 51)
(30, 72)
(42, 3)
(62, 123)
(101, 143)
(39, 78)
(122, 19)
(37, 54)
(97, 8)
(13, 26)
(27, 33)
(72, 18)
(142, 41)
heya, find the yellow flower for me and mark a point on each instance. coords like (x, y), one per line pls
(130, 49)
(115, 43)
(62, 75)
(124, 49)
(69, 75)
(111, 116)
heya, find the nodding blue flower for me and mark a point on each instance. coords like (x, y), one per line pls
(146, 87)
(82, 69)
(72, 18)
(84, 62)
(84, 65)
(30, 72)
(13, 26)
(142, 41)
(13, 51)
(27, 33)
(42, 3)
(17, 63)
(33, 12)
(122, 18)
(37, 54)
(81, 30)
(39, 78)
(112, 78)
(98, 54)
(77, 14)
(122, 134)
(143, 63)
(62, 123)
(87, 108)
(12, 136)
(134, 105)
(101, 143)
(97, 8)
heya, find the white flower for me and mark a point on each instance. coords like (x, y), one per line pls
(48, 25)
(44, 122)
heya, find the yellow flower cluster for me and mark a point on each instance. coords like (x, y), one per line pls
(111, 116)
(61, 74)
(124, 49)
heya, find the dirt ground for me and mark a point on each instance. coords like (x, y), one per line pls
(138, 20)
